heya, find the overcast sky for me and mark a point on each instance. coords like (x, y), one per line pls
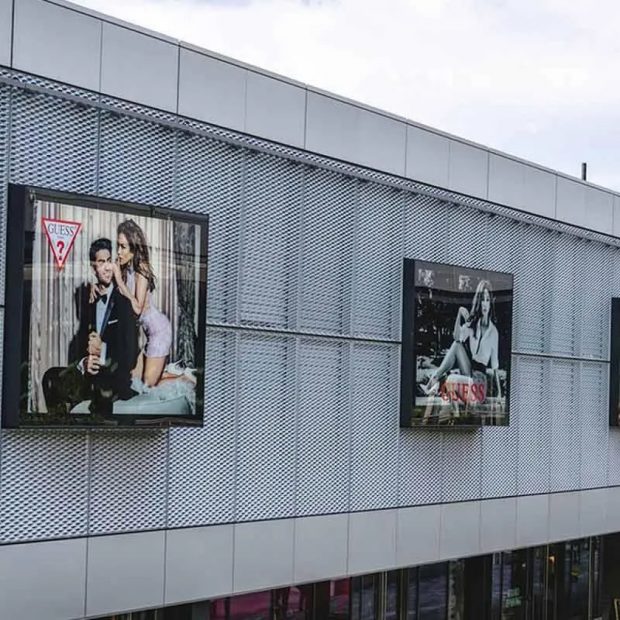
(535, 78)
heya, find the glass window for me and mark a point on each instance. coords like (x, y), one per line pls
(538, 559)
(432, 591)
(364, 597)
(255, 606)
(496, 586)
(456, 590)
(412, 593)
(218, 610)
(514, 585)
(576, 579)
(595, 576)
(392, 595)
(292, 603)
(332, 600)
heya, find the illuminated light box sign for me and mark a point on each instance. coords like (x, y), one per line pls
(614, 370)
(456, 349)
(105, 313)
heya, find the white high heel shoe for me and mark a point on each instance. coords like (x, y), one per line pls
(431, 390)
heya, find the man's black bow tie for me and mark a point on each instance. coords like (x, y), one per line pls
(103, 298)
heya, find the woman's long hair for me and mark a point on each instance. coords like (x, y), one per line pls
(138, 246)
(476, 305)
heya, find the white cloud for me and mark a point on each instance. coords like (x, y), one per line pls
(535, 79)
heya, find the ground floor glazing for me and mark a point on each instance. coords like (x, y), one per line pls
(570, 580)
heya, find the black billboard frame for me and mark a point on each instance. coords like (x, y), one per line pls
(18, 301)
(409, 351)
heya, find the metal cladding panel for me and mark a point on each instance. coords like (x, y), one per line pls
(420, 467)
(128, 474)
(532, 283)
(374, 426)
(564, 414)
(613, 458)
(594, 429)
(377, 262)
(5, 99)
(426, 229)
(323, 427)
(201, 482)
(613, 437)
(210, 178)
(44, 485)
(502, 241)
(136, 160)
(53, 143)
(595, 275)
(467, 235)
(531, 406)
(271, 238)
(462, 466)
(266, 419)
(500, 457)
(327, 252)
(2, 311)
(566, 290)
(303, 342)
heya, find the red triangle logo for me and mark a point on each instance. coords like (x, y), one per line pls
(61, 236)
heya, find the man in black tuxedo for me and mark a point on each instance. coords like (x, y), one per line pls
(104, 351)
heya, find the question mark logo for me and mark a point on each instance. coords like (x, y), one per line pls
(61, 246)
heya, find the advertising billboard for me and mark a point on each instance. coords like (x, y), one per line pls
(105, 311)
(456, 349)
(614, 366)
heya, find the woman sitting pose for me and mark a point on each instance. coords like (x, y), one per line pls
(475, 344)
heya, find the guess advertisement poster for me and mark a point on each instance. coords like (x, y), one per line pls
(112, 322)
(456, 352)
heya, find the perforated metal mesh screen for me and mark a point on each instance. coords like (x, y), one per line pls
(303, 343)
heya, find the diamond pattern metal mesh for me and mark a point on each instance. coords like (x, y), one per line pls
(128, 473)
(44, 492)
(374, 426)
(323, 427)
(53, 143)
(419, 468)
(426, 235)
(136, 161)
(532, 283)
(530, 404)
(467, 237)
(594, 277)
(265, 458)
(2, 310)
(462, 465)
(5, 95)
(301, 248)
(203, 459)
(594, 429)
(327, 252)
(271, 241)
(500, 458)
(210, 180)
(502, 242)
(613, 456)
(565, 414)
(566, 290)
(377, 262)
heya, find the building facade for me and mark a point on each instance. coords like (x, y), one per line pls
(301, 475)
